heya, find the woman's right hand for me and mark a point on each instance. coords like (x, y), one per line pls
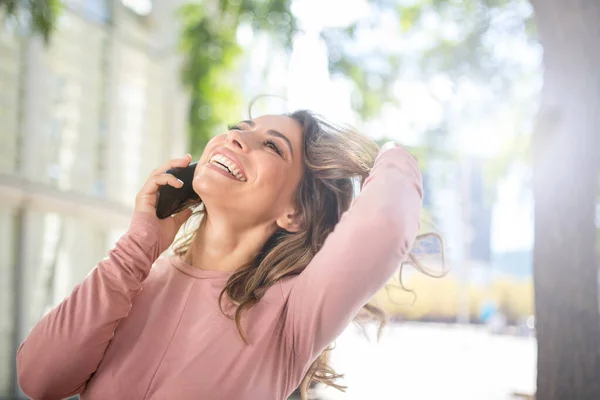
(146, 199)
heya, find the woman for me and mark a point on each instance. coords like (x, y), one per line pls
(249, 303)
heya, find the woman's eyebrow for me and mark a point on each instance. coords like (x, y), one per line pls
(280, 135)
(248, 122)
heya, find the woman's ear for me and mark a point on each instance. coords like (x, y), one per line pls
(291, 221)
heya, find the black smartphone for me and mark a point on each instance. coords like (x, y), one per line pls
(171, 200)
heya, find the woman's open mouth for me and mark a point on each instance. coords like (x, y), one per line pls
(225, 164)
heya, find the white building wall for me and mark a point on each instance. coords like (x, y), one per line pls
(82, 124)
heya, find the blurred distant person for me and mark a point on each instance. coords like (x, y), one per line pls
(488, 309)
(492, 317)
(253, 295)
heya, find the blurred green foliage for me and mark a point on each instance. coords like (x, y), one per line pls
(457, 40)
(209, 42)
(373, 71)
(38, 15)
(460, 43)
(463, 51)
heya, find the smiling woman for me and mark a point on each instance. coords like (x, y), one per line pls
(275, 270)
(261, 152)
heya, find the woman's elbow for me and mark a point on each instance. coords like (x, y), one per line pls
(28, 376)
(38, 387)
(36, 380)
(30, 383)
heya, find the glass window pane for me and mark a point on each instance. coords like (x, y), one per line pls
(10, 67)
(73, 111)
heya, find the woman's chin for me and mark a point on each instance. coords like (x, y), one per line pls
(211, 187)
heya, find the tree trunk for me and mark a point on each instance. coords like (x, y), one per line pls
(565, 173)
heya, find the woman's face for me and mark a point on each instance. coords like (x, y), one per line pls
(252, 172)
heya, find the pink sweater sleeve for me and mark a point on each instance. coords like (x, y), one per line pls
(359, 256)
(66, 346)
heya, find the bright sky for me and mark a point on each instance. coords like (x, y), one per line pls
(142, 7)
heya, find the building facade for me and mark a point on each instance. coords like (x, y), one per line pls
(83, 121)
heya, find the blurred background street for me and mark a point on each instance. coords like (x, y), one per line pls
(434, 361)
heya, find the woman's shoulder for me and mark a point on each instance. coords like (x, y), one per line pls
(160, 271)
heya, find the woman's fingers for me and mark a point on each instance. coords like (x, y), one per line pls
(175, 163)
(147, 196)
(154, 182)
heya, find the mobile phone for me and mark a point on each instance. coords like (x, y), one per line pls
(172, 200)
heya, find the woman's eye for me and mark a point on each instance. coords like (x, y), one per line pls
(270, 144)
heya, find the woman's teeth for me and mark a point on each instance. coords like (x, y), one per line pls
(226, 164)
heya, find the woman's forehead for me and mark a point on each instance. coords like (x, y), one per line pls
(278, 120)
(287, 126)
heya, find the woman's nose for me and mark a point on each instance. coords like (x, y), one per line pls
(234, 138)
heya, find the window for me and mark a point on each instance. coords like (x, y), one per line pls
(73, 107)
(132, 99)
(10, 69)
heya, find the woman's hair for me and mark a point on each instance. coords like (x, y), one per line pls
(336, 159)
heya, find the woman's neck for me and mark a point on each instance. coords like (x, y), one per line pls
(221, 246)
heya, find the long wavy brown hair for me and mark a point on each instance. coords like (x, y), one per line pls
(337, 160)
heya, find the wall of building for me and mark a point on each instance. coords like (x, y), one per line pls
(82, 123)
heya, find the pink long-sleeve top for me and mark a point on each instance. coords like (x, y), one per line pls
(144, 327)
